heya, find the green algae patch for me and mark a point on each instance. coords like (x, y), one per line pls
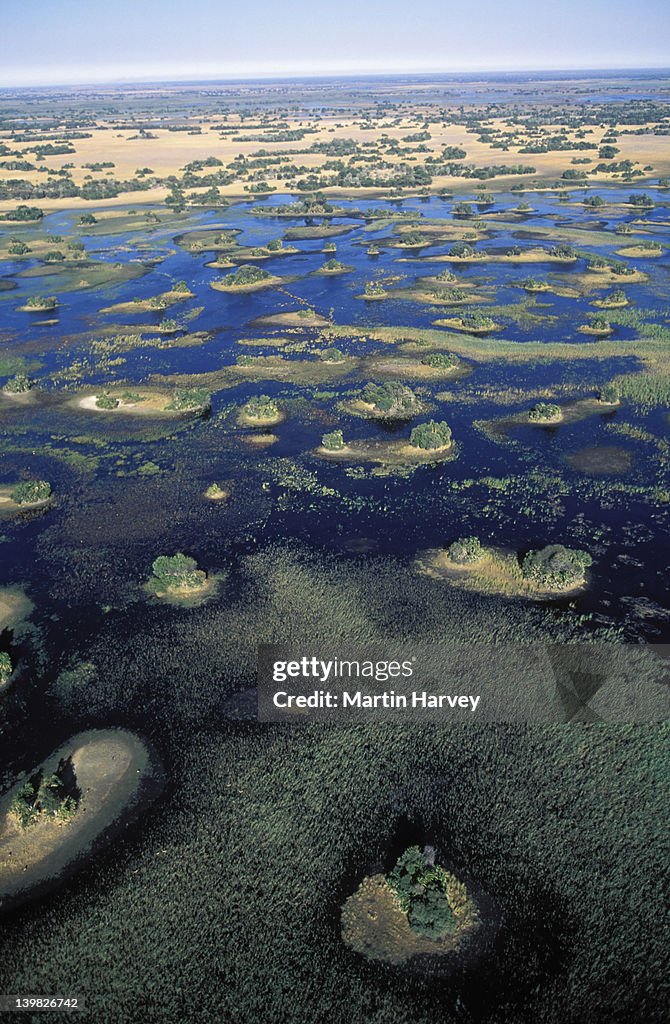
(114, 777)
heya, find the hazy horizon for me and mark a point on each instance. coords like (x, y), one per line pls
(72, 44)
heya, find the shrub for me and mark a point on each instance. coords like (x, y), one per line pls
(172, 571)
(29, 492)
(431, 435)
(106, 401)
(555, 566)
(190, 400)
(334, 441)
(181, 287)
(248, 274)
(374, 288)
(544, 411)
(19, 384)
(49, 796)
(440, 360)
(6, 668)
(462, 250)
(261, 407)
(23, 212)
(42, 302)
(333, 355)
(610, 393)
(392, 398)
(333, 265)
(465, 550)
(421, 892)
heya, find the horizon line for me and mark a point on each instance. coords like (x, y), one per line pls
(187, 78)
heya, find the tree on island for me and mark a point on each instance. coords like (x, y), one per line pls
(440, 360)
(261, 407)
(431, 435)
(30, 492)
(247, 274)
(555, 566)
(106, 401)
(191, 400)
(373, 289)
(41, 302)
(421, 890)
(465, 550)
(544, 411)
(88, 218)
(19, 384)
(51, 796)
(392, 398)
(173, 572)
(333, 355)
(333, 265)
(333, 442)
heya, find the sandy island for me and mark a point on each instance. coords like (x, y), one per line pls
(496, 572)
(117, 777)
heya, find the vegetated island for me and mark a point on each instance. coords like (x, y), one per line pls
(552, 571)
(418, 908)
(27, 494)
(145, 401)
(389, 401)
(260, 411)
(428, 442)
(39, 304)
(156, 303)
(247, 279)
(216, 492)
(54, 819)
(176, 579)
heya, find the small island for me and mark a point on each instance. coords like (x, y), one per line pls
(545, 413)
(57, 815)
(552, 571)
(470, 323)
(333, 267)
(389, 401)
(176, 579)
(416, 909)
(26, 495)
(39, 304)
(247, 279)
(146, 401)
(260, 411)
(216, 492)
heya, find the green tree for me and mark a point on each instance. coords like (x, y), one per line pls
(431, 435)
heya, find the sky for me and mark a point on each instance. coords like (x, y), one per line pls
(44, 42)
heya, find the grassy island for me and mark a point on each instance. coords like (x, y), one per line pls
(52, 819)
(470, 323)
(553, 571)
(334, 267)
(418, 908)
(146, 401)
(156, 303)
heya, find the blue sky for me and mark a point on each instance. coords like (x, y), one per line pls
(55, 41)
